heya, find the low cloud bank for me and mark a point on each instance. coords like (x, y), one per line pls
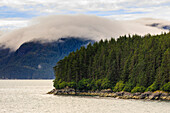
(52, 28)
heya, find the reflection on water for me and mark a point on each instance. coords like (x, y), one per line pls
(29, 96)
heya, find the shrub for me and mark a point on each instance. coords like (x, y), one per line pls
(119, 86)
(72, 84)
(138, 89)
(93, 86)
(56, 83)
(166, 87)
(62, 85)
(105, 83)
(98, 84)
(128, 87)
(153, 87)
(84, 84)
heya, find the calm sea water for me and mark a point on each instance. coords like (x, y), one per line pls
(29, 96)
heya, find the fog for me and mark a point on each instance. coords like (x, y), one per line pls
(52, 28)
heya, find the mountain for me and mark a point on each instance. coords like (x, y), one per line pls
(35, 60)
(156, 23)
(32, 51)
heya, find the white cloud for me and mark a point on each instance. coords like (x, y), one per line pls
(84, 26)
(126, 9)
(82, 5)
(10, 24)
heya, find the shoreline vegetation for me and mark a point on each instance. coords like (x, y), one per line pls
(136, 67)
(157, 95)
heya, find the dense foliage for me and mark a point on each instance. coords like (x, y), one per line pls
(35, 60)
(130, 63)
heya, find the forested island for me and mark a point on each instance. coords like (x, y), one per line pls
(128, 64)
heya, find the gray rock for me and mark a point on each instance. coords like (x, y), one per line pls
(145, 94)
(52, 91)
(58, 91)
(155, 96)
(106, 91)
(127, 95)
(137, 94)
(164, 94)
(119, 93)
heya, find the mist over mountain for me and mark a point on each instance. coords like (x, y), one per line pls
(157, 23)
(31, 52)
(35, 60)
(51, 28)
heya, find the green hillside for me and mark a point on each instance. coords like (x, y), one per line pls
(130, 63)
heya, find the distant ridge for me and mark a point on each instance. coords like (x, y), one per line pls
(35, 60)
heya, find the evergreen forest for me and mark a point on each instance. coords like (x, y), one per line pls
(130, 63)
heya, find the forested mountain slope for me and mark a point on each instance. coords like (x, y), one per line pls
(130, 63)
(35, 60)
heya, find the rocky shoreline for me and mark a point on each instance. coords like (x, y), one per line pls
(157, 95)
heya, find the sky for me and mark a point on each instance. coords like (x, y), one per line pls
(18, 13)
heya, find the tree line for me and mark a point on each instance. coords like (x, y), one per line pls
(130, 63)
